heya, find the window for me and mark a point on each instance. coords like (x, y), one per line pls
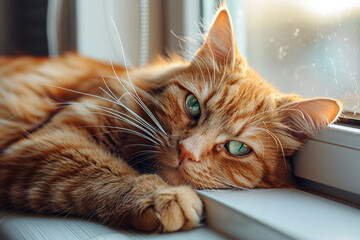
(310, 47)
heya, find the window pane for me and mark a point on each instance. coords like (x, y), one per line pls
(310, 47)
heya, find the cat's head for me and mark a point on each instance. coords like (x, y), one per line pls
(225, 125)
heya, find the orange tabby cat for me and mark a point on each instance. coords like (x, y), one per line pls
(129, 154)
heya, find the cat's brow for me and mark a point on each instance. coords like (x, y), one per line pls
(208, 97)
(241, 131)
(178, 84)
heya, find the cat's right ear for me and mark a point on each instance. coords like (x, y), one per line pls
(305, 118)
(220, 43)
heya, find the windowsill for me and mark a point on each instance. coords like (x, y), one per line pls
(340, 135)
(17, 226)
(332, 158)
(279, 214)
(255, 214)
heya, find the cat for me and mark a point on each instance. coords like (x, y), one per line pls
(127, 147)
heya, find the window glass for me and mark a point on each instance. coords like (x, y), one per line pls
(310, 47)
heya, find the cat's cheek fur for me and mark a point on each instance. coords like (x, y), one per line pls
(171, 112)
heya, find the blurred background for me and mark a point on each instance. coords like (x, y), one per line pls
(310, 47)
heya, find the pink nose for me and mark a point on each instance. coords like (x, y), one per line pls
(185, 155)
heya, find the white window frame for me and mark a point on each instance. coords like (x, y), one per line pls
(332, 158)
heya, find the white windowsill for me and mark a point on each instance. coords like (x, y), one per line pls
(279, 214)
(332, 158)
(340, 135)
(16, 226)
(255, 214)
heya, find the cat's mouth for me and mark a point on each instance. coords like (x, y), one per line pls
(175, 164)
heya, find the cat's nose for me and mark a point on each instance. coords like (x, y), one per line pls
(185, 154)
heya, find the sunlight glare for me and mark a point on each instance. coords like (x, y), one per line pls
(328, 7)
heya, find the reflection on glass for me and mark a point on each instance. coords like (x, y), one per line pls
(310, 47)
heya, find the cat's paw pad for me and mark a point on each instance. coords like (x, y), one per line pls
(172, 209)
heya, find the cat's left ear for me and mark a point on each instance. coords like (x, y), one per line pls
(305, 118)
(220, 43)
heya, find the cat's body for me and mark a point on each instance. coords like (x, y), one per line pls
(122, 154)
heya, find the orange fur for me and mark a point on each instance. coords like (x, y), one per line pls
(68, 146)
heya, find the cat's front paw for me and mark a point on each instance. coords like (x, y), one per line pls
(169, 210)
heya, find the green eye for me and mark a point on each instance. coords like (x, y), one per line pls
(237, 148)
(192, 106)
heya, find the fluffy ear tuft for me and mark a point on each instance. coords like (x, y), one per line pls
(307, 117)
(220, 42)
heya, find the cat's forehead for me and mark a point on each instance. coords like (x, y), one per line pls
(230, 92)
(231, 100)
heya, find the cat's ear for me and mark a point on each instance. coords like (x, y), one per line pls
(220, 43)
(305, 118)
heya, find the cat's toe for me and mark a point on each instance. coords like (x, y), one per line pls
(168, 209)
(178, 208)
(192, 207)
(147, 220)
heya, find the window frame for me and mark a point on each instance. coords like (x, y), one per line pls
(335, 140)
(327, 163)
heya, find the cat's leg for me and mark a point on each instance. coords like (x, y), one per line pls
(65, 173)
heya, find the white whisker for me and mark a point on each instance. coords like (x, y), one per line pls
(197, 63)
(139, 153)
(111, 92)
(230, 184)
(107, 93)
(139, 145)
(226, 65)
(126, 130)
(207, 68)
(115, 114)
(108, 100)
(277, 142)
(274, 110)
(212, 53)
(138, 99)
